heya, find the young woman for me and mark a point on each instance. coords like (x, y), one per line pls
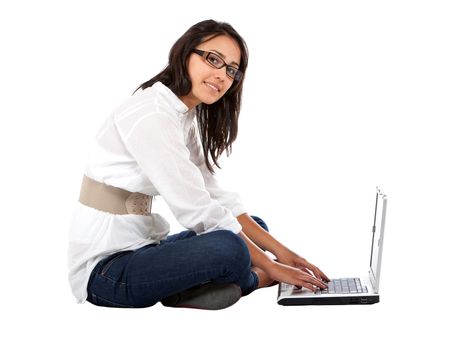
(165, 140)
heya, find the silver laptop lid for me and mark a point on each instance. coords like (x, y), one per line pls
(377, 239)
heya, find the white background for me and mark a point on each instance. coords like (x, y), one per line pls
(340, 96)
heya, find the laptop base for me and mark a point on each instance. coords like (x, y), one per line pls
(371, 299)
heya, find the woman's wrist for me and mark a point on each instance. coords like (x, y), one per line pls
(281, 251)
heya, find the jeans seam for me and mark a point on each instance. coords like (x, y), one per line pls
(96, 297)
(112, 280)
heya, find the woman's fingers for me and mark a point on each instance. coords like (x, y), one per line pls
(317, 272)
(300, 276)
(314, 276)
(310, 281)
(323, 276)
(309, 286)
(306, 270)
(320, 275)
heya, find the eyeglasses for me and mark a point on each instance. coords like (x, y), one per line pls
(217, 62)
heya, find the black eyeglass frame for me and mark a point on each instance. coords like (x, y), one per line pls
(203, 53)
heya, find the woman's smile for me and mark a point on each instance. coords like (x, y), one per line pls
(213, 86)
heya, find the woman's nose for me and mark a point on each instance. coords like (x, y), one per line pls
(221, 73)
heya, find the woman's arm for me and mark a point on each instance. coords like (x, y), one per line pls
(279, 271)
(155, 139)
(258, 235)
(288, 263)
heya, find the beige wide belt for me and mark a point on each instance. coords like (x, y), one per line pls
(112, 199)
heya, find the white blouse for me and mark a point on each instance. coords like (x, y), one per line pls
(149, 144)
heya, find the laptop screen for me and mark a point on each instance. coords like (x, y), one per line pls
(377, 237)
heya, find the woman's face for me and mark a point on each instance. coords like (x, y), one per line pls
(209, 84)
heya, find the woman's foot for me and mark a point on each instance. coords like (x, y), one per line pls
(264, 279)
(209, 296)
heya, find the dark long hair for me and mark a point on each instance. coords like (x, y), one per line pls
(218, 122)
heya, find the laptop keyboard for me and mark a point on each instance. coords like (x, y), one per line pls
(344, 286)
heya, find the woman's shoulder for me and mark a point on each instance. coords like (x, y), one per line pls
(142, 103)
(157, 99)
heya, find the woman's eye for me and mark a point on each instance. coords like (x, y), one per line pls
(231, 71)
(213, 59)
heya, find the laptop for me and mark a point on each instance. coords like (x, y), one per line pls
(350, 290)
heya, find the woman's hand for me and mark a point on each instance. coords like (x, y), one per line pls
(288, 257)
(291, 275)
(289, 268)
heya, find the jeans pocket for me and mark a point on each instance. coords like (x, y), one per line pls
(109, 261)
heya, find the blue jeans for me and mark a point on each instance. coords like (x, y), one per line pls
(141, 278)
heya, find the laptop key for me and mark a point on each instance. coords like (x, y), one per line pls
(345, 286)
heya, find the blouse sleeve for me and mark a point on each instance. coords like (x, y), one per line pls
(229, 199)
(156, 142)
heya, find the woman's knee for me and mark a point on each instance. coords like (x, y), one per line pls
(231, 248)
(260, 222)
